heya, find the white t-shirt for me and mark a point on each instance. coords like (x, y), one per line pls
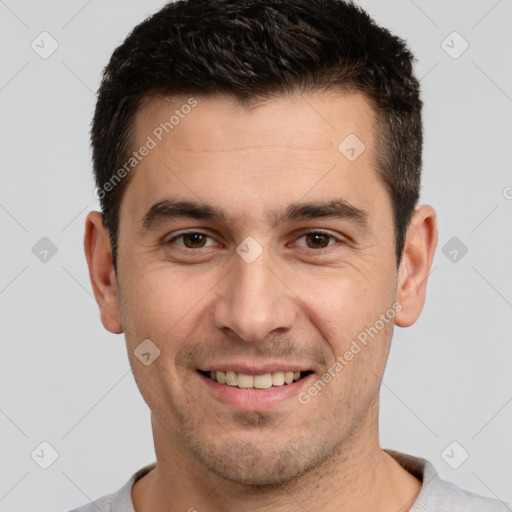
(436, 495)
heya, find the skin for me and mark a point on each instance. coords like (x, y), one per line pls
(290, 304)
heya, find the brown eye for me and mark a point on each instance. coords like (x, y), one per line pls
(317, 240)
(192, 240)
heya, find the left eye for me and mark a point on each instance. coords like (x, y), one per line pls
(318, 239)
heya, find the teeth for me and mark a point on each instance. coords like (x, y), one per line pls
(231, 378)
(278, 379)
(288, 377)
(220, 377)
(263, 381)
(245, 381)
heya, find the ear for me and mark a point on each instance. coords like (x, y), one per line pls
(419, 248)
(101, 272)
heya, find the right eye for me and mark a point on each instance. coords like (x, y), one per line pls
(191, 240)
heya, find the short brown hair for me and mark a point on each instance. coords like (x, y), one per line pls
(254, 49)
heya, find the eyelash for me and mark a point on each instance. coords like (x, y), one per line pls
(320, 250)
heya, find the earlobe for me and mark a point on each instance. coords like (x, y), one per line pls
(419, 250)
(101, 271)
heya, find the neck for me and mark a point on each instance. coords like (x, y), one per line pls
(359, 476)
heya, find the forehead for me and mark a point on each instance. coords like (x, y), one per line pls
(252, 158)
(314, 121)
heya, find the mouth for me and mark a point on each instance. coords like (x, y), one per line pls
(257, 382)
(255, 387)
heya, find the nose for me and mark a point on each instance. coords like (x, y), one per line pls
(254, 300)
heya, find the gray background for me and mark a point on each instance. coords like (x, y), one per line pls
(66, 381)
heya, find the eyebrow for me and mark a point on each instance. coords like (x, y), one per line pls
(169, 209)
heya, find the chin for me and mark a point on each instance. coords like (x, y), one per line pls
(260, 465)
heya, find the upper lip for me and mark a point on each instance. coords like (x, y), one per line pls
(255, 368)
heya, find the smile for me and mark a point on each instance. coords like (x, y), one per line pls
(247, 381)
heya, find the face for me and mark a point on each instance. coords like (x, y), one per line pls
(249, 242)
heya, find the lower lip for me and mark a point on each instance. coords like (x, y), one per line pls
(255, 399)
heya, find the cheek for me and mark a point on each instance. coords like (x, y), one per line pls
(344, 306)
(166, 305)
(358, 342)
(162, 304)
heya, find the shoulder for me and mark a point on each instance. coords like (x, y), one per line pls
(120, 501)
(443, 496)
(103, 504)
(446, 496)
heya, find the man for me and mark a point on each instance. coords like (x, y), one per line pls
(258, 165)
